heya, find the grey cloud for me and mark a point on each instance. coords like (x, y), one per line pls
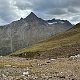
(73, 10)
(2, 22)
(43, 8)
(77, 18)
(7, 12)
(23, 5)
(49, 6)
(57, 11)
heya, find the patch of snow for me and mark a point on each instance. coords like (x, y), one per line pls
(52, 23)
(61, 22)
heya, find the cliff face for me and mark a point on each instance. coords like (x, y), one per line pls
(27, 31)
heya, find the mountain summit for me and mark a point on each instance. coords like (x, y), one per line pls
(31, 17)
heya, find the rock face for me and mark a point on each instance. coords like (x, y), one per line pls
(27, 31)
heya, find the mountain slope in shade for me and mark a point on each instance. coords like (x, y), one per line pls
(59, 22)
(25, 32)
(64, 44)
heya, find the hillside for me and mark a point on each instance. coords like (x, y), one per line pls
(64, 44)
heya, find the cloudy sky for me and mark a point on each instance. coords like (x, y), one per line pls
(11, 10)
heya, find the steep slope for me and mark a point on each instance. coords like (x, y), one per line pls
(61, 45)
(25, 32)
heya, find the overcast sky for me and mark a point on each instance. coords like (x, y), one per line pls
(11, 10)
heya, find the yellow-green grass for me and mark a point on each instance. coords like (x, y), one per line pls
(69, 37)
(12, 63)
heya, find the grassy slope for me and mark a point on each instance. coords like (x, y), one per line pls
(54, 45)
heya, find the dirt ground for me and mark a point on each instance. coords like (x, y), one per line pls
(13, 68)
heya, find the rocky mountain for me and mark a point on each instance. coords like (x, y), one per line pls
(27, 31)
(63, 45)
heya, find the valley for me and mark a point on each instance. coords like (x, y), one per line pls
(36, 49)
(39, 39)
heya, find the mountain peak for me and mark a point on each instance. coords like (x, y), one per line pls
(31, 17)
(31, 13)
